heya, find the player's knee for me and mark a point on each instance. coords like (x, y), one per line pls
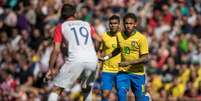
(123, 91)
(106, 94)
(57, 90)
(122, 94)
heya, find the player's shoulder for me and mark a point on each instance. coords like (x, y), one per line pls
(104, 36)
(107, 35)
(76, 22)
(139, 34)
(58, 25)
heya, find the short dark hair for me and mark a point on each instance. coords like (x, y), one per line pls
(114, 17)
(67, 11)
(130, 15)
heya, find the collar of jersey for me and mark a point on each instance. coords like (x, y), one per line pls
(133, 33)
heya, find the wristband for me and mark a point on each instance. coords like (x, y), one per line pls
(106, 57)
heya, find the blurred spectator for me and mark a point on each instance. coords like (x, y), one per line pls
(173, 28)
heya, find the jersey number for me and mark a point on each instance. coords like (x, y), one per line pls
(81, 31)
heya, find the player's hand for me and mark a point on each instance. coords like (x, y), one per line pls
(123, 64)
(103, 58)
(51, 74)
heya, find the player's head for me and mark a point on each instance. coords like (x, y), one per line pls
(130, 22)
(67, 11)
(114, 22)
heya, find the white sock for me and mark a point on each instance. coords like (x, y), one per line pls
(89, 97)
(53, 96)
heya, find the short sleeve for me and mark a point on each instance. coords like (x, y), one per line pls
(144, 48)
(58, 34)
(93, 31)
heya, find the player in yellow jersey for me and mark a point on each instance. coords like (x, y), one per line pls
(133, 47)
(110, 66)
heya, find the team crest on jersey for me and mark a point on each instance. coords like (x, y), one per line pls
(134, 44)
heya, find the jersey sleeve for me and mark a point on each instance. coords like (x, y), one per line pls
(93, 31)
(144, 48)
(57, 34)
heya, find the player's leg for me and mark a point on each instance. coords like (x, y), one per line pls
(87, 79)
(107, 80)
(66, 77)
(138, 87)
(123, 85)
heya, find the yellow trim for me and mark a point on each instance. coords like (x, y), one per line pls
(110, 71)
(143, 88)
(136, 73)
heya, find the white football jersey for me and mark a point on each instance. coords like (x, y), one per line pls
(80, 45)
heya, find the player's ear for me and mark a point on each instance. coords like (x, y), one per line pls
(76, 15)
(136, 23)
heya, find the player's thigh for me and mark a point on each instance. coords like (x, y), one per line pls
(87, 76)
(138, 84)
(68, 74)
(90, 65)
(108, 80)
(122, 81)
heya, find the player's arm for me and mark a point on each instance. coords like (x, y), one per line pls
(94, 35)
(143, 59)
(54, 54)
(56, 50)
(97, 39)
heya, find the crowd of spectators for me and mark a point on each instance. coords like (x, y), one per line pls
(173, 28)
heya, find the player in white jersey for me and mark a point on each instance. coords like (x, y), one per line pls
(81, 60)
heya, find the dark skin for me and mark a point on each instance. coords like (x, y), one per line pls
(129, 26)
(114, 28)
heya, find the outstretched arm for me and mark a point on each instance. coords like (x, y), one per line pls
(143, 59)
(114, 53)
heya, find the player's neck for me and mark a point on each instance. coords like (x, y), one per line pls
(130, 33)
(112, 33)
(71, 18)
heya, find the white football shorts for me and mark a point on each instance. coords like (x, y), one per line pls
(70, 72)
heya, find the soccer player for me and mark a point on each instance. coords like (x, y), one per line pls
(134, 53)
(110, 66)
(81, 61)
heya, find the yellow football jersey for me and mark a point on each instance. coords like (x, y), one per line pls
(109, 43)
(132, 48)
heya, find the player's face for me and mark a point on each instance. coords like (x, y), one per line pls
(129, 24)
(114, 25)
